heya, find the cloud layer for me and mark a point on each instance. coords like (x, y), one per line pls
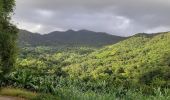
(118, 17)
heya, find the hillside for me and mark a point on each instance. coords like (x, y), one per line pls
(139, 59)
(137, 68)
(68, 38)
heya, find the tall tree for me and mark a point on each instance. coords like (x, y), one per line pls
(8, 37)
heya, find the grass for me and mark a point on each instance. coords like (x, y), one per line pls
(73, 94)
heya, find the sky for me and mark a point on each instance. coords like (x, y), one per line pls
(117, 17)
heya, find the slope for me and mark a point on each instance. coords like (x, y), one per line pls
(138, 60)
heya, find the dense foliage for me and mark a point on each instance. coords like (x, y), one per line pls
(8, 36)
(136, 61)
(138, 67)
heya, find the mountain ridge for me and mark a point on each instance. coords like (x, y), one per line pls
(68, 38)
(74, 38)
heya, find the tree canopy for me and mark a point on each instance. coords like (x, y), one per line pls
(8, 36)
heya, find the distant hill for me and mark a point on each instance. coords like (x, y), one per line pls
(68, 38)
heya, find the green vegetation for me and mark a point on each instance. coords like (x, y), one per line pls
(8, 36)
(136, 68)
(137, 61)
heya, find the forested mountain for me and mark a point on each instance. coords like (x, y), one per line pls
(141, 60)
(68, 38)
(137, 60)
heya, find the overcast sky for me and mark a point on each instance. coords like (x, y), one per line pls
(118, 17)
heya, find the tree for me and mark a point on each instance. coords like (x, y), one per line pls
(8, 37)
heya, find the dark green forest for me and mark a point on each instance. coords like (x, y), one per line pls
(68, 38)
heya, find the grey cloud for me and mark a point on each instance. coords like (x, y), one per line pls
(119, 17)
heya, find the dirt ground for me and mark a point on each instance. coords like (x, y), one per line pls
(10, 98)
